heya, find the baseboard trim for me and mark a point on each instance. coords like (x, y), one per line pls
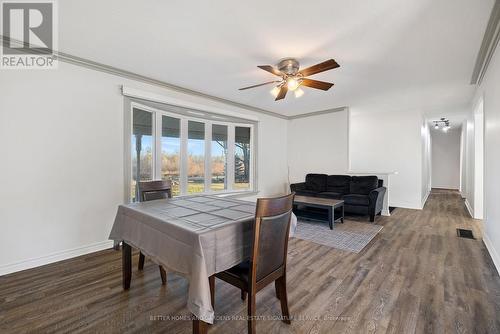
(425, 199)
(404, 205)
(54, 257)
(469, 208)
(493, 253)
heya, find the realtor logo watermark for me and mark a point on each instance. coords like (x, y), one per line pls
(29, 35)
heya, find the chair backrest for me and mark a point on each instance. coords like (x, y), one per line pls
(151, 190)
(270, 235)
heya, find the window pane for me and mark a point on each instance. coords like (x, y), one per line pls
(170, 151)
(142, 147)
(219, 151)
(241, 158)
(196, 157)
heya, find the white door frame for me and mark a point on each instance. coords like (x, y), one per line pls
(479, 159)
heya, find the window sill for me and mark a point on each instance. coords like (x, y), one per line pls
(238, 194)
(232, 194)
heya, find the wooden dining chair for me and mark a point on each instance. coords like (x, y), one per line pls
(152, 190)
(149, 191)
(267, 261)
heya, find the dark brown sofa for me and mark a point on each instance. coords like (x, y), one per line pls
(361, 194)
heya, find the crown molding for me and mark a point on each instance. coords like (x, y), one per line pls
(90, 64)
(488, 46)
(317, 113)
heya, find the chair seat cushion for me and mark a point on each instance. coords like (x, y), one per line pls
(330, 194)
(305, 192)
(240, 271)
(353, 199)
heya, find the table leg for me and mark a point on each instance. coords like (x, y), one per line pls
(163, 274)
(199, 326)
(342, 218)
(211, 281)
(126, 265)
(331, 214)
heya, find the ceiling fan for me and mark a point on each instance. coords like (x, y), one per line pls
(291, 78)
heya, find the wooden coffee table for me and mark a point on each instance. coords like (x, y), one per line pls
(330, 205)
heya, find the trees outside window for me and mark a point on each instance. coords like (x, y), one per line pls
(205, 157)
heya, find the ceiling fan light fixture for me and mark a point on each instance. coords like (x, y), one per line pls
(274, 92)
(291, 78)
(292, 83)
(298, 92)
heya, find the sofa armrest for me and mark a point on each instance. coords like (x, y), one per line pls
(294, 187)
(376, 200)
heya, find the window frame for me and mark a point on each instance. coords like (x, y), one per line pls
(184, 118)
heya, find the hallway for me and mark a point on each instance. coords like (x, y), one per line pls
(416, 276)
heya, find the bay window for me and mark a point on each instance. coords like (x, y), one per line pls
(205, 154)
(142, 148)
(170, 151)
(196, 157)
(242, 158)
(218, 156)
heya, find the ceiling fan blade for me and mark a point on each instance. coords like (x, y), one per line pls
(271, 69)
(317, 84)
(321, 67)
(262, 84)
(282, 93)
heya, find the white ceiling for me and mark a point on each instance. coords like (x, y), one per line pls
(413, 53)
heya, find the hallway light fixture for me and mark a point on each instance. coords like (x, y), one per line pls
(443, 123)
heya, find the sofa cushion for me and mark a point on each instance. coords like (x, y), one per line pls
(316, 182)
(353, 199)
(338, 183)
(305, 192)
(362, 185)
(356, 209)
(330, 194)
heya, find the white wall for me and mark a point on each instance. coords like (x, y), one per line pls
(472, 160)
(387, 141)
(63, 160)
(468, 163)
(446, 158)
(489, 90)
(426, 161)
(463, 158)
(318, 144)
(479, 160)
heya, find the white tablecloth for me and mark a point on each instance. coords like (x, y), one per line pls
(196, 236)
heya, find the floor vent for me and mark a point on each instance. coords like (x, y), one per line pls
(465, 233)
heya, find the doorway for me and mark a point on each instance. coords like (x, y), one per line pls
(445, 158)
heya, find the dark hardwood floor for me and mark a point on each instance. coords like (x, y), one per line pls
(416, 276)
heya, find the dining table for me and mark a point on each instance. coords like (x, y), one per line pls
(195, 236)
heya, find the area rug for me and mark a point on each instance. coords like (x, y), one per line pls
(350, 236)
